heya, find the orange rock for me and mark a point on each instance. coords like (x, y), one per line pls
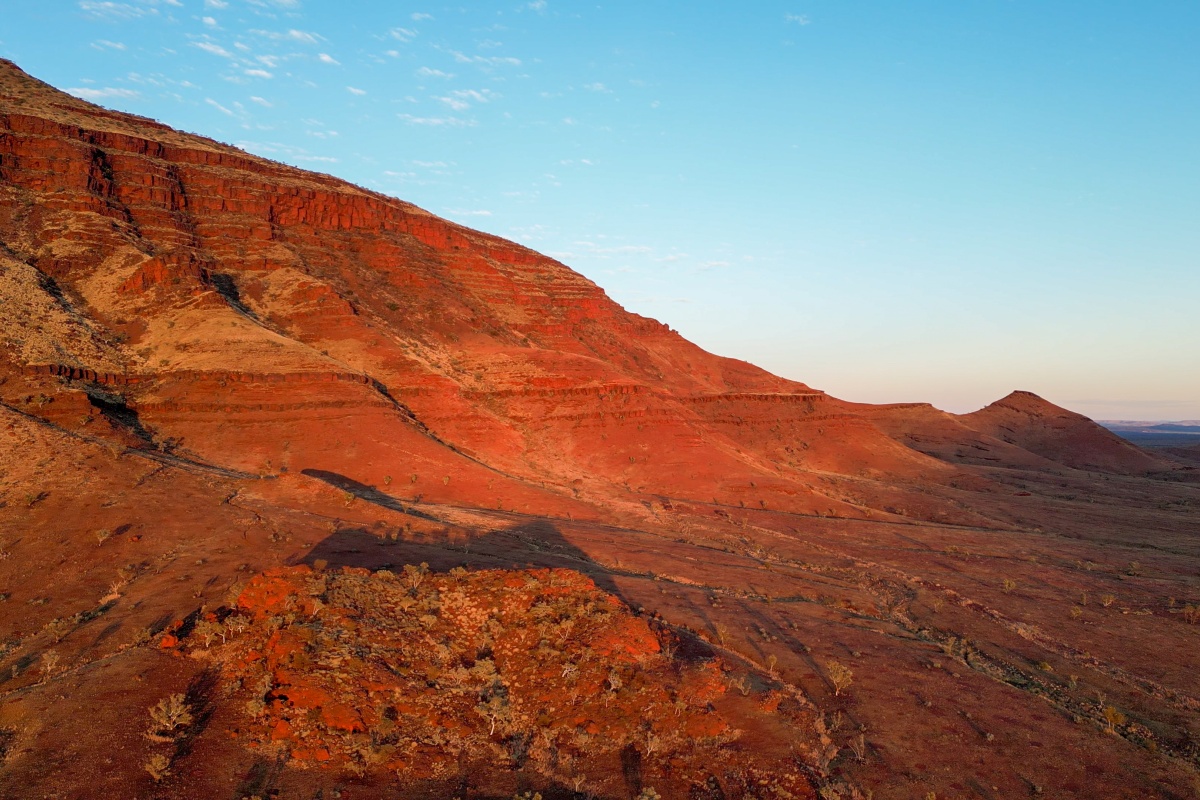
(340, 716)
(629, 641)
(305, 696)
(170, 640)
(703, 726)
(311, 754)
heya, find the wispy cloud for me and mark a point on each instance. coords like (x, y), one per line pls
(293, 35)
(429, 72)
(261, 101)
(796, 19)
(217, 4)
(218, 106)
(457, 212)
(461, 99)
(402, 34)
(448, 122)
(536, 5)
(621, 249)
(259, 73)
(597, 87)
(105, 44)
(325, 58)
(353, 90)
(215, 49)
(284, 151)
(417, 16)
(105, 93)
(463, 58)
(210, 22)
(109, 10)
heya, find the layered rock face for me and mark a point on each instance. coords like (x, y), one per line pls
(268, 319)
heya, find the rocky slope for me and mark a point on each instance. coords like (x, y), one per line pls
(216, 368)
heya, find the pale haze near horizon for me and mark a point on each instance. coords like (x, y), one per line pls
(930, 201)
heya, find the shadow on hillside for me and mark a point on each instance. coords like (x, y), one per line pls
(524, 543)
(364, 492)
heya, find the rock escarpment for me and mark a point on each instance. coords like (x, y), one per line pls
(270, 319)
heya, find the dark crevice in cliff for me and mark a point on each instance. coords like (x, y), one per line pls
(227, 288)
(114, 408)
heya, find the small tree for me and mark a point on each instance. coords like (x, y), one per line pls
(208, 630)
(168, 718)
(1114, 718)
(49, 663)
(414, 576)
(839, 675)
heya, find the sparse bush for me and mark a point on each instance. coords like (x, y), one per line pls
(49, 663)
(1113, 718)
(1191, 614)
(58, 628)
(1008, 585)
(159, 767)
(1076, 612)
(839, 675)
(102, 536)
(169, 718)
(414, 576)
(1107, 600)
(859, 748)
(208, 630)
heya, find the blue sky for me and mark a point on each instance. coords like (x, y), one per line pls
(937, 201)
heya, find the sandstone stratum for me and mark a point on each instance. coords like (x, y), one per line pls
(306, 492)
